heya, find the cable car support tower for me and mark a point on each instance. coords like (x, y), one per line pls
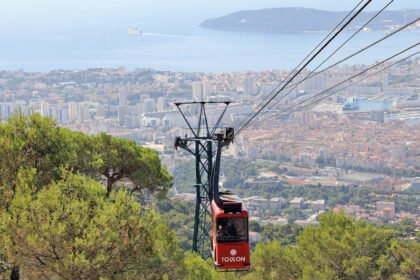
(200, 144)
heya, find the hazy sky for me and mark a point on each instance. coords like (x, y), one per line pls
(21, 12)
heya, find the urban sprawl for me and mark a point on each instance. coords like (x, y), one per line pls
(366, 135)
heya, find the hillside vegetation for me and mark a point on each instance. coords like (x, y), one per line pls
(69, 210)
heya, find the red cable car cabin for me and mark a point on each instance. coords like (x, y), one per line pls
(230, 234)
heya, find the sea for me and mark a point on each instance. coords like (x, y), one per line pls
(178, 46)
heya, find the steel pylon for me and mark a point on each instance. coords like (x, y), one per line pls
(200, 144)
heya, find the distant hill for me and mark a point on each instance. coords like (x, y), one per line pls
(303, 20)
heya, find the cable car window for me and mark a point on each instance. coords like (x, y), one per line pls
(232, 230)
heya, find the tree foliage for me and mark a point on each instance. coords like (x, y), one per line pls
(56, 223)
(272, 261)
(402, 261)
(71, 230)
(33, 142)
(119, 159)
(179, 215)
(286, 234)
(341, 248)
(39, 143)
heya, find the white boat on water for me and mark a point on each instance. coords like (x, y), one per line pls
(134, 31)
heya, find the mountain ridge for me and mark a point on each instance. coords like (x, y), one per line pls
(277, 20)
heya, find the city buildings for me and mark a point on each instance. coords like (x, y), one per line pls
(385, 209)
(297, 203)
(375, 147)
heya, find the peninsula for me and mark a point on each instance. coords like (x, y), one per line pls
(278, 20)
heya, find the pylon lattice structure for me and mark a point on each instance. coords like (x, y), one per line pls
(200, 145)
